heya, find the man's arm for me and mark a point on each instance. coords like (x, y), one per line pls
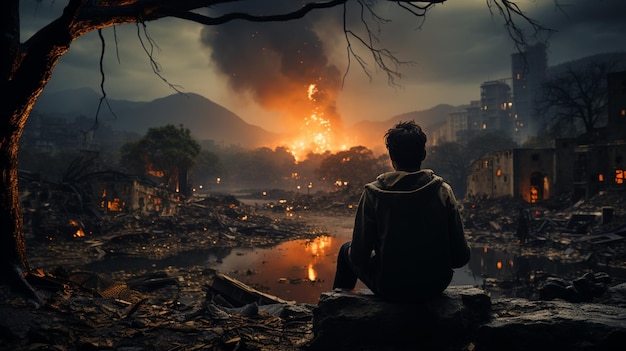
(363, 236)
(459, 248)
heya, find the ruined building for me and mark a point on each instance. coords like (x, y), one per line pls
(521, 173)
(119, 192)
(580, 166)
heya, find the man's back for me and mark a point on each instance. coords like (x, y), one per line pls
(408, 233)
(409, 220)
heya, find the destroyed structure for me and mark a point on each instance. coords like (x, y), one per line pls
(76, 208)
(117, 192)
(581, 166)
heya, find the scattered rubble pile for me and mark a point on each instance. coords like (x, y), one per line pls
(587, 234)
(157, 311)
(586, 288)
(217, 221)
(337, 203)
(174, 309)
(602, 213)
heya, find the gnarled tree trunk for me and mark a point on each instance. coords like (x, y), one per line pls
(12, 248)
(25, 70)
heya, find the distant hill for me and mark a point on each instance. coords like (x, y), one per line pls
(206, 119)
(75, 102)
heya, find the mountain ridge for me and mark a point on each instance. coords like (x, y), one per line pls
(205, 119)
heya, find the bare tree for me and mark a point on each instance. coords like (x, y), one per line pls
(26, 68)
(576, 96)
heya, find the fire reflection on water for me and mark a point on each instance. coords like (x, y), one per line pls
(317, 248)
(302, 270)
(296, 270)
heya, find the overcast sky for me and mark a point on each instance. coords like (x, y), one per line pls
(251, 69)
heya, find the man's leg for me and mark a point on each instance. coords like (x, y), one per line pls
(344, 276)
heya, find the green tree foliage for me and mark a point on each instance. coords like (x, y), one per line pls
(350, 169)
(166, 152)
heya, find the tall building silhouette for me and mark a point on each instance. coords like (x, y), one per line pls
(529, 71)
(495, 100)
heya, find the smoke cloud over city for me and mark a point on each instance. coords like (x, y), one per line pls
(284, 67)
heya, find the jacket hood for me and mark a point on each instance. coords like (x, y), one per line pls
(401, 181)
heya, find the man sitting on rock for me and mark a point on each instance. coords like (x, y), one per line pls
(408, 234)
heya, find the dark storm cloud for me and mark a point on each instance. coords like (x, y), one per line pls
(455, 44)
(584, 27)
(461, 42)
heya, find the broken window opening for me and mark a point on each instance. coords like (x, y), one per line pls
(619, 176)
(116, 205)
(534, 194)
(580, 168)
(538, 187)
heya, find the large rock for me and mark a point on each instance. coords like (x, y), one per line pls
(520, 324)
(464, 318)
(359, 320)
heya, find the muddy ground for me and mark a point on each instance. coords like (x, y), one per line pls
(177, 308)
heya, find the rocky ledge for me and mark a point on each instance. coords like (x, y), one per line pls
(465, 318)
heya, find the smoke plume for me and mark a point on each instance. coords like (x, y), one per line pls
(276, 63)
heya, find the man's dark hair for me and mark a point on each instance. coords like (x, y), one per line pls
(406, 143)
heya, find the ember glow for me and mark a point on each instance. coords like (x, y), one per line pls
(79, 231)
(316, 133)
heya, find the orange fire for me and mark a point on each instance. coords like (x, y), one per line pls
(312, 275)
(316, 134)
(79, 231)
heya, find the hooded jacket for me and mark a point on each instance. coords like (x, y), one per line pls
(408, 235)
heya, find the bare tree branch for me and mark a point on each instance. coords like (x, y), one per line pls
(512, 15)
(577, 95)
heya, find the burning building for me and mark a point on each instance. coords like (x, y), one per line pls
(119, 192)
